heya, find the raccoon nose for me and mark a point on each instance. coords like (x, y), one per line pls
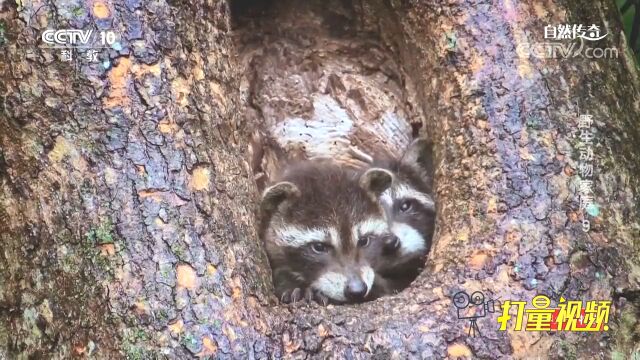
(356, 289)
(391, 244)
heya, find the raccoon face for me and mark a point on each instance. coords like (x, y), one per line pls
(320, 226)
(332, 261)
(412, 219)
(411, 213)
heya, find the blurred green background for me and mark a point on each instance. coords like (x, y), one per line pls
(627, 20)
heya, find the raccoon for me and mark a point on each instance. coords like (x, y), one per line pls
(322, 225)
(410, 210)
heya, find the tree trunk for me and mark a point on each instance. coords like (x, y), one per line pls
(127, 194)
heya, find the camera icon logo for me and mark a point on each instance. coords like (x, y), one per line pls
(473, 307)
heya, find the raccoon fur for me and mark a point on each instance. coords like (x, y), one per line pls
(410, 210)
(324, 228)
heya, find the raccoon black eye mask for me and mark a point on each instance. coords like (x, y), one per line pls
(410, 210)
(319, 224)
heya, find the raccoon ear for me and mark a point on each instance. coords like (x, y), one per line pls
(376, 180)
(276, 194)
(419, 157)
(419, 153)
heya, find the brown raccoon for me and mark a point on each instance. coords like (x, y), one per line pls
(411, 213)
(322, 225)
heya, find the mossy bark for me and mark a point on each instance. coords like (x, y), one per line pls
(127, 194)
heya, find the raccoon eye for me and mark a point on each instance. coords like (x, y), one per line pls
(319, 247)
(406, 205)
(364, 241)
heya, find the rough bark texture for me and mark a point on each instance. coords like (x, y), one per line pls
(320, 84)
(127, 201)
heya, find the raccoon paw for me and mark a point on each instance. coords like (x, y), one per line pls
(291, 296)
(320, 298)
(308, 295)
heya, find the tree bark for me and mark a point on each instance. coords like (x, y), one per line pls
(128, 195)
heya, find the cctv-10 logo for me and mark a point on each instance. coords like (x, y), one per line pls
(76, 38)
